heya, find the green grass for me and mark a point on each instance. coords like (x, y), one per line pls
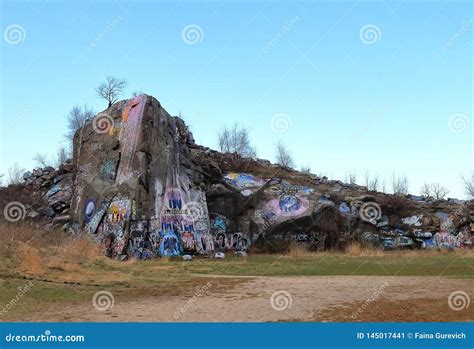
(451, 265)
(162, 277)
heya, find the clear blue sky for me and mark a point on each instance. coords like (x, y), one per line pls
(381, 103)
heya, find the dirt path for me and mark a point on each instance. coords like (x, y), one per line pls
(298, 299)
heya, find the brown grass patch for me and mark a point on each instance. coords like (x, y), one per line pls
(299, 251)
(388, 310)
(356, 249)
(31, 261)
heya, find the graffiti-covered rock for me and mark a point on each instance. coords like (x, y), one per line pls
(141, 187)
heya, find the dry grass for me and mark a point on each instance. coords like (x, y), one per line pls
(30, 260)
(356, 249)
(299, 251)
(389, 310)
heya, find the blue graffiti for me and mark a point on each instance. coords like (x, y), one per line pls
(170, 245)
(174, 200)
(220, 224)
(289, 203)
(89, 210)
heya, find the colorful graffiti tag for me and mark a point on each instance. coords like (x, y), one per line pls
(89, 210)
(129, 135)
(185, 214)
(96, 218)
(169, 244)
(108, 170)
(288, 205)
(117, 215)
(243, 181)
(290, 201)
(119, 210)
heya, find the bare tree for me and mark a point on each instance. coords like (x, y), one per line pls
(76, 119)
(372, 184)
(283, 156)
(351, 177)
(305, 169)
(438, 191)
(111, 89)
(367, 179)
(1, 179)
(41, 160)
(425, 190)
(384, 187)
(236, 140)
(62, 156)
(399, 185)
(15, 174)
(469, 185)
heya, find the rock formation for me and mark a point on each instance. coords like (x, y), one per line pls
(140, 186)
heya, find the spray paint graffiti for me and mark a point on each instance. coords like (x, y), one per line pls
(89, 210)
(204, 242)
(240, 242)
(444, 240)
(187, 239)
(290, 201)
(154, 238)
(183, 213)
(219, 230)
(288, 205)
(299, 237)
(108, 170)
(220, 242)
(219, 224)
(129, 135)
(139, 245)
(170, 245)
(413, 220)
(243, 181)
(118, 215)
(119, 210)
(97, 217)
(464, 238)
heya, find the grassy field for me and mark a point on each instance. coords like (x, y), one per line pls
(72, 271)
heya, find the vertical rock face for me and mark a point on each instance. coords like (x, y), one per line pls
(134, 189)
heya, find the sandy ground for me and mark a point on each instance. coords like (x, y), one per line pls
(302, 299)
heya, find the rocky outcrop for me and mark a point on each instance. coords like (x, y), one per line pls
(141, 187)
(44, 197)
